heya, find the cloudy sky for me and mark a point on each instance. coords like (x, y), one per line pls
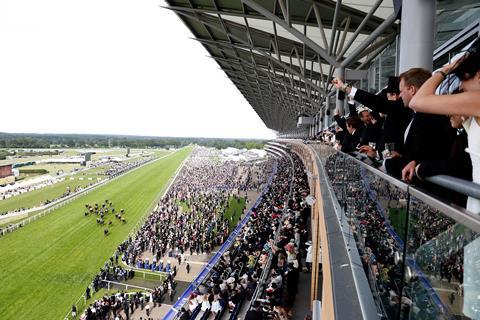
(117, 67)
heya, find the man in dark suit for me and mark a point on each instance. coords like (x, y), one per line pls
(396, 119)
(424, 137)
(353, 128)
(458, 164)
(397, 116)
(372, 131)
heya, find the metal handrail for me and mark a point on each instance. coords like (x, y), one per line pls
(109, 283)
(460, 215)
(462, 186)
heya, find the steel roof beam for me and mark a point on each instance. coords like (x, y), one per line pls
(243, 61)
(297, 34)
(371, 38)
(261, 52)
(334, 27)
(370, 13)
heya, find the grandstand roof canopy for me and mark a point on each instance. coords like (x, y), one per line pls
(282, 54)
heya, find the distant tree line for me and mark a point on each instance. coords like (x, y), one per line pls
(31, 140)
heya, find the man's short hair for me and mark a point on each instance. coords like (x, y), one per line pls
(415, 77)
(354, 122)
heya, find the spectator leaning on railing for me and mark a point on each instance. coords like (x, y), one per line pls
(424, 137)
(458, 164)
(466, 103)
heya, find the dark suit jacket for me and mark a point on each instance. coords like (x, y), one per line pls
(372, 133)
(427, 138)
(458, 164)
(398, 116)
(351, 141)
(253, 315)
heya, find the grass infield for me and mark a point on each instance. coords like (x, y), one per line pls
(47, 265)
(397, 220)
(235, 210)
(39, 196)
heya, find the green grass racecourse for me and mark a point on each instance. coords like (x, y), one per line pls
(46, 266)
(234, 211)
(397, 220)
(39, 196)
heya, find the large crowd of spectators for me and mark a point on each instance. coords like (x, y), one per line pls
(266, 258)
(122, 305)
(191, 217)
(117, 168)
(68, 191)
(12, 191)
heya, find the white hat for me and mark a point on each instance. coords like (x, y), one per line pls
(361, 108)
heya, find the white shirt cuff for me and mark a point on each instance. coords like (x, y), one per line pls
(353, 90)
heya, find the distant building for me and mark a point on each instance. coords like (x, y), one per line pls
(5, 170)
(6, 175)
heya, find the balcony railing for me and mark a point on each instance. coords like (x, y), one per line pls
(421, 256)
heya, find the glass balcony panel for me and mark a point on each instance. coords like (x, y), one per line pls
(441, 272)
(370, 203)
(444, 272)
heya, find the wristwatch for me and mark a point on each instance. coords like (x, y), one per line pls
(442, 73)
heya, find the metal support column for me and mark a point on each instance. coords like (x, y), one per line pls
(326, 121)
(340, 73)
(417, 34)
(320, 122)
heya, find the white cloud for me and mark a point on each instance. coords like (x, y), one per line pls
(121, 67)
